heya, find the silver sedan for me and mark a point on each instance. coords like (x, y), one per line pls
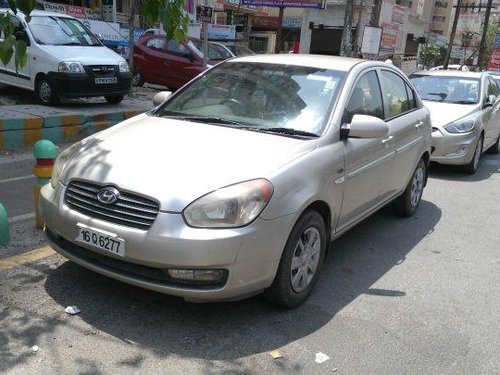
(237, 183)
(465, 115)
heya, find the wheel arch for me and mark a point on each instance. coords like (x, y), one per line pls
(324, 210)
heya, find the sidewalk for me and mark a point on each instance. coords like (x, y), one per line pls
(22, 125)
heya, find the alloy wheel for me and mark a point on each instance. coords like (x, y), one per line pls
(417, 187)
(305, 259)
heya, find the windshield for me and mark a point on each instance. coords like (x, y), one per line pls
(61, 31)
(260, 97)
(240, 50)
(215, 52)
(447, 89)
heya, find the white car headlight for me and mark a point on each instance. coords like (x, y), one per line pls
(60, 163)
(123, 66)
(71, 67)
(230, 207)
(463, 126)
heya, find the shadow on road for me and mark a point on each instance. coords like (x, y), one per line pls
(488, 166)
(167, 325)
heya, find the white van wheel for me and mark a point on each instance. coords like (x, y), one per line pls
(45, 93)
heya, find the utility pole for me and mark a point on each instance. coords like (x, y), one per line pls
(346, 43)
(452, 36)
(482, 44)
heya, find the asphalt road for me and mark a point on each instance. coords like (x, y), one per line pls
(396, 296)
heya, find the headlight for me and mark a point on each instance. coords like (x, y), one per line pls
(123, 66)
(71, 67)
(460, 126)
(60, 163)
(233, 206)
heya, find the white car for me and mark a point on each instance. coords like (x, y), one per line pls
(463, 68)
(465, 115)
(65, 60)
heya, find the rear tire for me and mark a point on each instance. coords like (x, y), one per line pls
(300, 262)
(114, 99)
(472, 167)
(407, 203)
(45, 92)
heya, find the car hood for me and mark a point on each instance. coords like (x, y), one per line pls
(176, 161)
(444, 113)
(86, 55)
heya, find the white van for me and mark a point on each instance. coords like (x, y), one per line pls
(65, 60)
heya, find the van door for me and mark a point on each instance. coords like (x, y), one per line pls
(8, 72)
(368, 162)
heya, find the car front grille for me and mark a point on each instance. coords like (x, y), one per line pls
(103, 70)
(131, 210)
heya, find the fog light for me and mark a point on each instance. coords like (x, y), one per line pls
(462, 149)
(198, 275)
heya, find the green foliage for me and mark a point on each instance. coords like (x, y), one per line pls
(170, 14)
(430, 54)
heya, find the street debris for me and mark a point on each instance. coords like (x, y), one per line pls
(321, 357)
(335, 369)
(72, 310)
(276, 354)
(35, 348)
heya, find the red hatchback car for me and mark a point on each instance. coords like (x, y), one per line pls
(168, 63)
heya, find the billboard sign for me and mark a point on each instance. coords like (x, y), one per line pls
(316, 4)
(371, 40)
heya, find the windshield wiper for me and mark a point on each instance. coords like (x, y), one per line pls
(286, 131)
(463, 102)
(206, 119)
(70, 44)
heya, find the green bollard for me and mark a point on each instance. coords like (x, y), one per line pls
(4, 226)
(45, 153)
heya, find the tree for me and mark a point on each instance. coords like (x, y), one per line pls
(169, 13)
(346, 43)
(430, 54)
(12, 45)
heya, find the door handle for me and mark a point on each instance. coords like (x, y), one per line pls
(385, 141)
(419, 124)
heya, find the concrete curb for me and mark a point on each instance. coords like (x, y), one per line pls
(24, 125)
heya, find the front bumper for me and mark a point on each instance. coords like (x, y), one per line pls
(75, 85)
(453, 149)
(250, 255)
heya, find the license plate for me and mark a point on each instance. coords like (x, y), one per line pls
(106, 80)
(101, 240)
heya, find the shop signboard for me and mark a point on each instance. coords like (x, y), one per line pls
(389, 37)
(316, 4)
(204, 13)
(75, 11)
(56, 8)
(398, 14)
(496, 42)
(371, 40)
(494, 63)
(221, 32)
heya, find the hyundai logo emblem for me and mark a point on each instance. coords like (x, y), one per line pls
(108, 195)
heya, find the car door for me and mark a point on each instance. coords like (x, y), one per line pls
(21, 77)
(491, 115)
(368, 162)
(182, 64)
(408, 125)
(151, 59)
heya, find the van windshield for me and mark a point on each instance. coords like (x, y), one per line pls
(61, 31)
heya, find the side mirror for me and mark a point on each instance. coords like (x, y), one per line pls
(490, 101)
(22, 35)
(364, 126)
(161, 97)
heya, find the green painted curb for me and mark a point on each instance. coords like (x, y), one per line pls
(44, 149)
(4, 226)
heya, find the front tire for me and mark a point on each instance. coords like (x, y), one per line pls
(495, 149)
(45, 92)
(300, 262)
(407, 203)
(114, 99)
(472, 167)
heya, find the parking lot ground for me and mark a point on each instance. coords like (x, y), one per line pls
(396, 296)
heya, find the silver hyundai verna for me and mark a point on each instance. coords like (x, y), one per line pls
(237, 183)
(464, 108)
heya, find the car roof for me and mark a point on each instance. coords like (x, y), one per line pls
(36, 13)
(450, 73)
(317, 61)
